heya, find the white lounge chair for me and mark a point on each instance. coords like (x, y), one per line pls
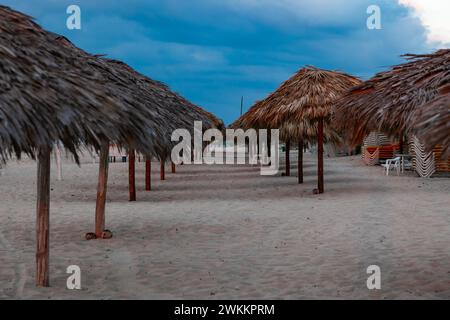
(392, 164)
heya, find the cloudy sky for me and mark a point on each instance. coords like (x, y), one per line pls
(215, 51)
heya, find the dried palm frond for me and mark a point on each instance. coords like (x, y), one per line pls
(52, 91)
(296, 105)
(432, 124)
(389, 100)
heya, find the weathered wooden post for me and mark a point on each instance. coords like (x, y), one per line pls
(43, 217)
(132, 173)
(100, 232)
(300, 161)
(320, 183)
(401, 144)
(148, 176)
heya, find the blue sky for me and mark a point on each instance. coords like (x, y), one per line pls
(213, 52)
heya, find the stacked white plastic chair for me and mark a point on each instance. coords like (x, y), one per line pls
(376, 139)
(372, 140)
(371, 159)
(423, 162)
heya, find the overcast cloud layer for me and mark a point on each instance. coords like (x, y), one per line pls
(214, 52)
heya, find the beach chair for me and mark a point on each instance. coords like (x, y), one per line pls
(392, 164)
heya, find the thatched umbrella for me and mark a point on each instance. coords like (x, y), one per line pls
(432, 124)
(299, 107)
(180, 111)
(389, 101)
(151, 99)
(49, 94)
(41, 83)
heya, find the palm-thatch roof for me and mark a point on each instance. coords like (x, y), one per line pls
(168, 105)
(218, 123)
(389, 100)
(52, 92)
(149, 99)
(432, 124)
(293, 108)
(48, 93)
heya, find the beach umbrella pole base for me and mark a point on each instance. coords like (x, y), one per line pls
(100, 231)
(106, 234)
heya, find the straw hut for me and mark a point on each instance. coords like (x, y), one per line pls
(299, 108)
(392, 101)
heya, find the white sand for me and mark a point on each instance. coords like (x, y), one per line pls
(225, 232)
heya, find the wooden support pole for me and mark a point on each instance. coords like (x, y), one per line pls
(300, 161)
(132, 173)
(162, 168)
(148, 176)
(288, 161)
(101, 191)
(43, 218)
(401, 144)
(174, 170)
(320, 183)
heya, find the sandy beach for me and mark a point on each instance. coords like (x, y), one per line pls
(225, 232)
